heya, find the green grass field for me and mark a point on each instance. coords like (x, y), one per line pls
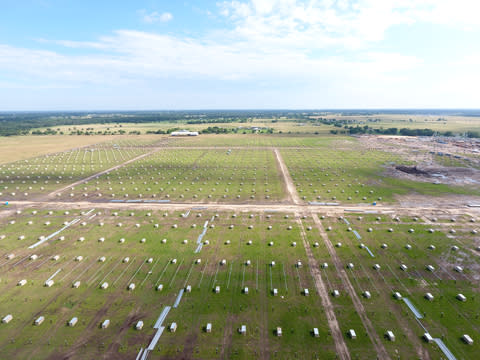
(434, 122)
(192, 175)
(445, 317)
(347, 172)
(30, 177)
(300, 125)
(232, 190)
(259, 310)
(262, 313)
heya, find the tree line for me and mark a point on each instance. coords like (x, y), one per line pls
(22, 123)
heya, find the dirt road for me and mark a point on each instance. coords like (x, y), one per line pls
(291, 190)
(212, 206)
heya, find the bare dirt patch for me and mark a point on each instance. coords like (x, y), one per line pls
(457, 176)
(442, 203)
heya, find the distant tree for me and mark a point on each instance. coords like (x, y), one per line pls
(472, 134)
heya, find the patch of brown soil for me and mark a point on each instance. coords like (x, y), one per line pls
(440, 202)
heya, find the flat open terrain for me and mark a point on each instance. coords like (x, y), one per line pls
(19, 148)
(285, 126)
(275, 233)
(192, 175)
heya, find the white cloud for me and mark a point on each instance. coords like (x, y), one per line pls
(346, 23)
(469, 60)
(155, 16)
(135, 56)
(458, 13)
(270, 39)
(296, 48)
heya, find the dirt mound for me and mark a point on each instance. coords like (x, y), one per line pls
(411, 170)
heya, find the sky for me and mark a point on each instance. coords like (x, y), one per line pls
(242, 54)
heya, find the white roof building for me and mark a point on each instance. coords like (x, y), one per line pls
(184, 133)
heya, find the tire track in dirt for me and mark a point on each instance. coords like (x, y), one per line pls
(376, 341)
(340, 345)
(291, 190)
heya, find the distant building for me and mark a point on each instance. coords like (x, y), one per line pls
(184, 133)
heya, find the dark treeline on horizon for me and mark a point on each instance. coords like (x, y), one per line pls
(22, 122)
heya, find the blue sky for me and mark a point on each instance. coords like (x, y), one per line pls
(193, 54)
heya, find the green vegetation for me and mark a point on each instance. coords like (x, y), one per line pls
(40, 175)
(410, 123)
(232, 189)
(259, 310)
(345, 172)
(191, 175)
(296, 314)
(444, 317)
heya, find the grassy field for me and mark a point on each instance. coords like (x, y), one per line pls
(192, 175)
(24, 147)
(284, 126)
(445, 317)
(259, 310)
(346, 172)
(442, 123)
(324, 169)
(275, 140)
(40, 175)
(434, 122)
(229, 170)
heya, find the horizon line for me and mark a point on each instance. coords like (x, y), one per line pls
(246, 109)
